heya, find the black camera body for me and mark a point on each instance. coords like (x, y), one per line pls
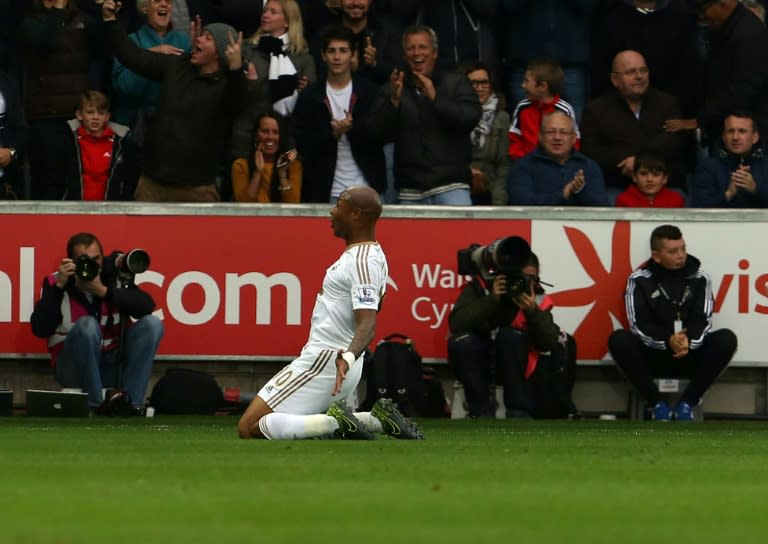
(86, 268)
(126, 265)
(504, 256)
(518, 283)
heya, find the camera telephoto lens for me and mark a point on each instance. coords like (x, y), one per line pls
(136, 261)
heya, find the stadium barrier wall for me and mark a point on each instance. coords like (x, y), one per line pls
(239, 281)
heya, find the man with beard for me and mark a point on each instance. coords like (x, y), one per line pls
(377, 41)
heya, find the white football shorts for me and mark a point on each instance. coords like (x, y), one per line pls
(305, 386)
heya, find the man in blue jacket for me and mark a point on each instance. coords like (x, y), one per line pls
(555, 174)
(738, 176)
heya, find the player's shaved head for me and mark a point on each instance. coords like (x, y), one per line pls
(355, 214)
(365, 199)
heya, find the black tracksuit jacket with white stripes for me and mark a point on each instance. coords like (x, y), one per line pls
(655, 297)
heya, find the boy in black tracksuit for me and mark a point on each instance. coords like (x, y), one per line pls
(669, 309)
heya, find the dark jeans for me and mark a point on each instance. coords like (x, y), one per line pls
(472, 357)
(83, 364)
(641, 364)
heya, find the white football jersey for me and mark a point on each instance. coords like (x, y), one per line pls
(357, 280)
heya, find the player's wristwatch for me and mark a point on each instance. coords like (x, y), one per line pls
(349, 357)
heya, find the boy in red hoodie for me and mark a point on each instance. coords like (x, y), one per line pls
(543, 82)
(649, 180)
(95, 160)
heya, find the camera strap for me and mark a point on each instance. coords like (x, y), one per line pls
(482, 284)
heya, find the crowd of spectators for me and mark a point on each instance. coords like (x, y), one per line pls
(459, 102)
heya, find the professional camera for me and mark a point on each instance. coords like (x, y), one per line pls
(505, 256)
(86, 268)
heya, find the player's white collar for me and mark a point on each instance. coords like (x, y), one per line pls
(370, 242)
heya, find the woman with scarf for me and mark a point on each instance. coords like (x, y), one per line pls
(490, 163)
(280, 67)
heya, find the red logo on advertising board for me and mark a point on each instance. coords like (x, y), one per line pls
(593, 331)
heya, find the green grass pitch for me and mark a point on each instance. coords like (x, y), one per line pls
(190, 480)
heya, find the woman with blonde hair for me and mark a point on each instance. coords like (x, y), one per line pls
(280, 66)
(280, 55)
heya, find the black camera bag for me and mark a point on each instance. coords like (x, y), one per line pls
(186, 391)
(552, 383)
(395, 372)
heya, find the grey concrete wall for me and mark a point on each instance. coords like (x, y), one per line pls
(598, 390)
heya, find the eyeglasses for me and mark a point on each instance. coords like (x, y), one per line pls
(560, 131)
(633, 72)
(480, 82)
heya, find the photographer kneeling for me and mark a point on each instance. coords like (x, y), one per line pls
(83, 311)
(504, 316)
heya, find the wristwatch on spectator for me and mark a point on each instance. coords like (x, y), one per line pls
(13, 153)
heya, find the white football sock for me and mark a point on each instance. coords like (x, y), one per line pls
(372, 423)
(291, 427)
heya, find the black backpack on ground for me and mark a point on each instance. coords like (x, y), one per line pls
(395, 372)
(552, 383)
(186, 391)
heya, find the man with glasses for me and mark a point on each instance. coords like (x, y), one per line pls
(629, 118)
(664, 32)
(736, 71)
(555, 174)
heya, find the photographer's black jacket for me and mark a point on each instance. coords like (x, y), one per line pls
(655, 296)
(130, 300)
(476, 310)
